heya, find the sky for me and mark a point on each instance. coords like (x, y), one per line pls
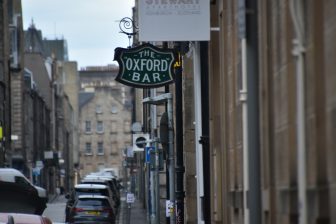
(91, 27)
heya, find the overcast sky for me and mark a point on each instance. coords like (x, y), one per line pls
(91, 27)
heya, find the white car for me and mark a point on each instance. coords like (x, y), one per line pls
(18, 194)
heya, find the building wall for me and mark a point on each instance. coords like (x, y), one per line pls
(115, 136)
(71, 89)
(226, 133)
(116, 116)
(68, 142)
(16, 78)
(279, 123)
(325, 14)
(189, 142)
(277, 79)
(4, 81)
(278, 113)
(217, 121)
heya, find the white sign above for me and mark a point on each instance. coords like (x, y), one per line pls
(174, 20)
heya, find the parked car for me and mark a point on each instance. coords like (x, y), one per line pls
(18, 218)
(19, 195)
(108, 181)
(92, 209)
(86, 189)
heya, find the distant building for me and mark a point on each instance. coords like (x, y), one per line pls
(15, 155)
(105, 113)
(56, 48)
(50, 108)
(37, 105)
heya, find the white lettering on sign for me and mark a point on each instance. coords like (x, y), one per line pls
(146, 78)
(147, 53)
(156, 77)
(136, 77)
(151, 65)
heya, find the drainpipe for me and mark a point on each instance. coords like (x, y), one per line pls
(253, 135)
(243, 99)
(204, 140)
(180, 194)
(296, 10)
(249, 96)
(198, 132)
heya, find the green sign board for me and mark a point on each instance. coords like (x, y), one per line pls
(145, 66)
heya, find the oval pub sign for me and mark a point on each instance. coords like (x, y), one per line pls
(145, 66)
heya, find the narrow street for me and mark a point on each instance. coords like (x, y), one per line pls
(55, 209)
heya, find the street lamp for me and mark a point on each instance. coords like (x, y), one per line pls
(128, 27)
(157, 100)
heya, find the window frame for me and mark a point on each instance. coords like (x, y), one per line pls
(98, 126)
(99, 109)
(88, 126)
(100, 153)
(87, 152)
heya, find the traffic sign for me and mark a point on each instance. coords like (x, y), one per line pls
(148, 153)
(39, 164)
(139, 142)
(130, 198)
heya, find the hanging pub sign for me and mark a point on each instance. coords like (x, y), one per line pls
(145, 66)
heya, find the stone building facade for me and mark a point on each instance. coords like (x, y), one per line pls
(105, 114)
(254, 172)
(66, 87)
(274, 136)
(11, 53)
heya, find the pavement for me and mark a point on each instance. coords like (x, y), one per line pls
(53, 197)
(55, 210)
(135, 214)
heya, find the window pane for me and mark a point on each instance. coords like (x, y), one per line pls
(99, 109)
(114, 109)
(100, 126)
(100, 148)
(88, 148)
(87, 126)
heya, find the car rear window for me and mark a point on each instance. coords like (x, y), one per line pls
(91, 191)
(93, 202)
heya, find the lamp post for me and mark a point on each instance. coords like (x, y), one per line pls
(128, 27)
(163, 98)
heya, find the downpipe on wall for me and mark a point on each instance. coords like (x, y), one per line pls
(298, 51)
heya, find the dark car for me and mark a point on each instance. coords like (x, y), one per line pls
(92, 209)
(86, 189)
